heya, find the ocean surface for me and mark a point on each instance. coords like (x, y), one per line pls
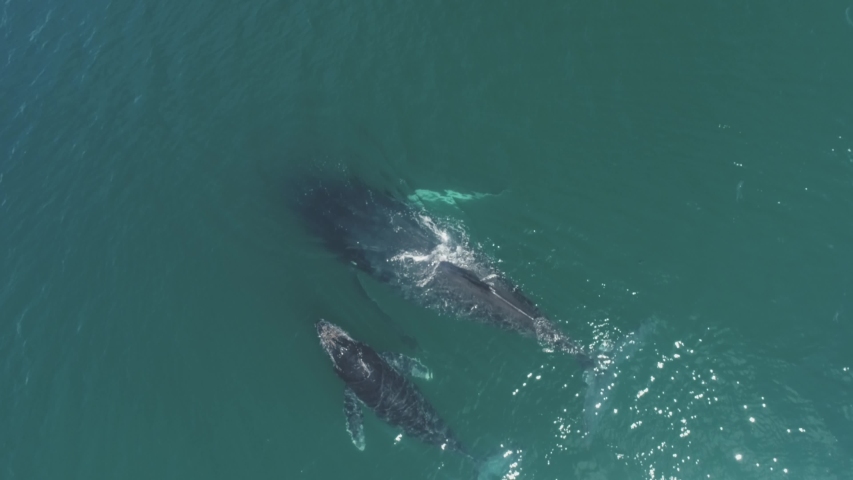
(681, 169)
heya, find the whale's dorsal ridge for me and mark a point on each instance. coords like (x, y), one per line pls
(464, 273)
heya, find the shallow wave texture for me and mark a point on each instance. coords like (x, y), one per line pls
(681, 174)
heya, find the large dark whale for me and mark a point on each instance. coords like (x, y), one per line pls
(380, 382)
(399, 243)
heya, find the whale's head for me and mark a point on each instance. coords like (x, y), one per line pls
(332, 337)
(346, 353)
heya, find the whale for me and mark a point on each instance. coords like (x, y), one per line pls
(400, 244)
(382, 383)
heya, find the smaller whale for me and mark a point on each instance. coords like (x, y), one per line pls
(380, 381)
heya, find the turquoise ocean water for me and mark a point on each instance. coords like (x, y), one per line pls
(686, 165)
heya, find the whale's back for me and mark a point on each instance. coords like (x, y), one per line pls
(360, 224)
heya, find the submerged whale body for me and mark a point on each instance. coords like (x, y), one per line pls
(363, 226)
(399, 244)
(379, 382)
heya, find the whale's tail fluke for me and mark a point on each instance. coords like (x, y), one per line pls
(504, 464)
(603, 369)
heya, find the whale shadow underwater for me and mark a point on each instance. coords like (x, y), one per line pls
(399, 244)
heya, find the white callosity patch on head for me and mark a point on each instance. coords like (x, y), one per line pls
(330, 338)
(336, 342)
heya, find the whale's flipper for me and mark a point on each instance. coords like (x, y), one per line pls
(406, 365)
(423, 198)
(355, 418)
